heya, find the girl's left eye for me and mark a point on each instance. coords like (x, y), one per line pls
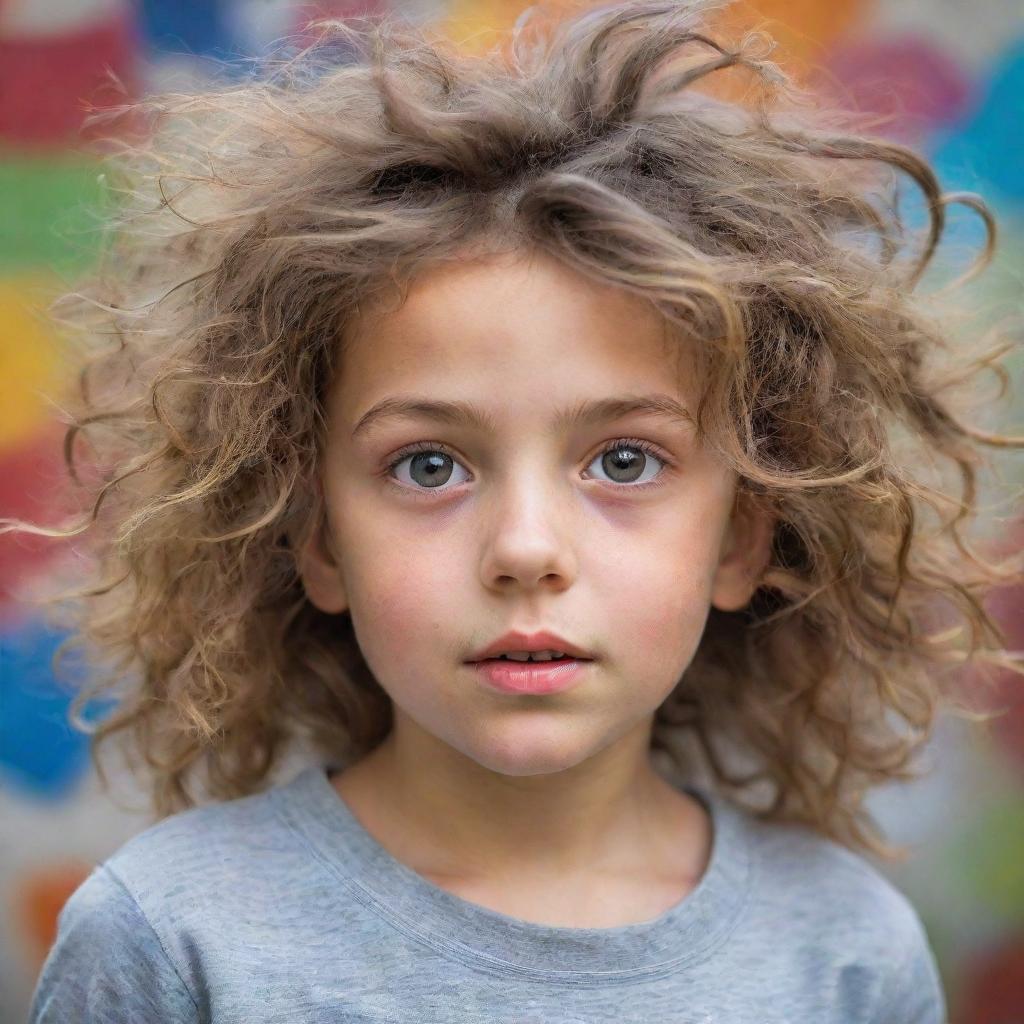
(626, 460)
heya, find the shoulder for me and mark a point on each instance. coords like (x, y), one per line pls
(101, 907)
(108, 963)
(208, 832)
(846, 921)
(184, 883)
(802, 868)
(211, 849)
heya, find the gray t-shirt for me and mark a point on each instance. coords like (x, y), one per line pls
(280, 907)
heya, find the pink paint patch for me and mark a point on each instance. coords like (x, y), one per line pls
(49, 83)
(302, 13)
(999, 689)
(30, 477)
(905, 80)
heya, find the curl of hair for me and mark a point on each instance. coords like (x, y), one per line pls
(256, 219)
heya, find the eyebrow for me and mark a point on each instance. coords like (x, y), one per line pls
(459, 413)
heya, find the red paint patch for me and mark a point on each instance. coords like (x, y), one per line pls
(993, 991)
(49, 83)
(33, 486)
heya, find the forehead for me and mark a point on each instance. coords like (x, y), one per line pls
(517, 331)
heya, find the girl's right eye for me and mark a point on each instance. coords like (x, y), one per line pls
(430, 466)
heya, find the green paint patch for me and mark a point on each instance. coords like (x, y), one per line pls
(990, 861)
(52, 212)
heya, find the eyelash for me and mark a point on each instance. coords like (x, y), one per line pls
(437, 446)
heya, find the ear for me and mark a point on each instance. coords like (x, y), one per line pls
(319, 567)
(745, 552)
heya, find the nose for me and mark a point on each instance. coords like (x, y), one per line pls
(528, 535)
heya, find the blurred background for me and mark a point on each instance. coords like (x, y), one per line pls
(947, 77)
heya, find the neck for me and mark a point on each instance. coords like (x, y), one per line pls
(612, 814)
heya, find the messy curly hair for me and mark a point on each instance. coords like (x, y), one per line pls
(257, 218)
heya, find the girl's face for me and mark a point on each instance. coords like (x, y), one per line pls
(444, 532)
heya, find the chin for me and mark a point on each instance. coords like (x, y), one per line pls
(531, 749)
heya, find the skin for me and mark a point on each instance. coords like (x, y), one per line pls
(547, 808)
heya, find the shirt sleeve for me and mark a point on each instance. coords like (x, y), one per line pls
(107, 964)
(913, 993)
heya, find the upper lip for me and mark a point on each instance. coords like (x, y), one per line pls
(517, 641)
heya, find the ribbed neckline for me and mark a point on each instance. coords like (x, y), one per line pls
(485, 938)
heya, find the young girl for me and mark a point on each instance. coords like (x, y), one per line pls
(541, 442)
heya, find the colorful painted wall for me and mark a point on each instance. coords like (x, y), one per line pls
(950, 74)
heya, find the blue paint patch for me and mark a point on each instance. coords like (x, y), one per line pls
(196, 27)
(988, 148)
(981, 153)
(41, 753)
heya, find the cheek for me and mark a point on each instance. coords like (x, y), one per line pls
(659, 594)
(404, 604)
(666, 619)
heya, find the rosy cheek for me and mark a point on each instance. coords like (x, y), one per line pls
(405, 615)
(666, 613)
(394, 610)
(659, 629)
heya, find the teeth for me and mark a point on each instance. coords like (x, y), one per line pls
(532, 655)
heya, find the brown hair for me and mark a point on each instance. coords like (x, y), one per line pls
(258, 217)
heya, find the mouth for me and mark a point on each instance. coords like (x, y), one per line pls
(563, 660)
(515, 676)
(541, 645)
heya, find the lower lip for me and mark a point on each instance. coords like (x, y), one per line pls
(532, 677)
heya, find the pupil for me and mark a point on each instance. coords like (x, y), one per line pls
(621, 461)
(438, 468)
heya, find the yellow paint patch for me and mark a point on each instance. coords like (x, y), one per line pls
(29, 360)
(476, 26)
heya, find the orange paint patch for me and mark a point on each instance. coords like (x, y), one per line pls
(804, 31)
(39, 897)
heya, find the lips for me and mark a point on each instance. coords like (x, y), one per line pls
(533, 678)
(533, 661)
(518, 641)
